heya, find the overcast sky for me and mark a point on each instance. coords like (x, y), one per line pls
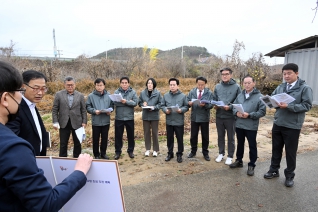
(91, 27)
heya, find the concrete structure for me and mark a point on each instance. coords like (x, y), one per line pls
(305, 54)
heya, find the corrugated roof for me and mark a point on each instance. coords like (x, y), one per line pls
(301, 44)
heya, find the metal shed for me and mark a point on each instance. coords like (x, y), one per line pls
(305, 54)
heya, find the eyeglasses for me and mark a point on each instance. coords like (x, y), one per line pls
(69, 85)
(227, 74)
(37, 89)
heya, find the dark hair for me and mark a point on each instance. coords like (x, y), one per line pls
(201, 78)
(290, 66)
(153, 82)
(69, 78)
(174, 79)
(10, 78)
(98, 80)
(248, 76)
(122, 78)
(31, 75)
(226, 69)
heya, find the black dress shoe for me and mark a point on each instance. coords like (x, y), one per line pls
(117, 156)
(179, 159)
(289, 182)
(191, 155)
(131, 155)
(168, 158)
(236, 164)
(104, 156)
(250, 171)
(207, 157)
(97, 157)
(270, 175)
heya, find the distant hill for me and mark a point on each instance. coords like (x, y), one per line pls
(192, 52)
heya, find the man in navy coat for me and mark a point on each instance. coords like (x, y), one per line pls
(28, 124)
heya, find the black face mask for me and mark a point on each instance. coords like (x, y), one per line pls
(12, 117)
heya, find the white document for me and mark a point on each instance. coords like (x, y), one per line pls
(195, 101)
(116, 97)
(106, 110)
(268, 101)
(239, 107)
(148, 107)
(283, 97)
(50, 142)
(174, 108)
(102, 192)
(205, 101)
(218, 103)
(272, 101)
(80, 133)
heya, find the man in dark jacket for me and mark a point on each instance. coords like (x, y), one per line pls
(97, 104)
(288, 121)
(226, 91)
(125, 117)
(29, 125)
(200, 116)
(247, 122)
(174, 105)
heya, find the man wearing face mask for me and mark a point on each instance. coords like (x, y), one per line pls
(28, 124)
(23, 186)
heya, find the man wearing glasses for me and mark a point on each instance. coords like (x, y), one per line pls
(69, 114)
(28, 124)
(227, 91)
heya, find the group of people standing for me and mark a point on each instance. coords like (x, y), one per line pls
(70, 113)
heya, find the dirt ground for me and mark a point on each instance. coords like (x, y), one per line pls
(143, 169)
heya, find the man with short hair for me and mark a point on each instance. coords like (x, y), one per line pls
(247, 123)
(227, 91)
(28, 124)
(69, 114)
(125, 117)
(288, 121)
(97, 101)
(200, 116)
(174, 117)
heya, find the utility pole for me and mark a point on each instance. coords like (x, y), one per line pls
(54, 48)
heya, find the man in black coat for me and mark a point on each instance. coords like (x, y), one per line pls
(28, 124)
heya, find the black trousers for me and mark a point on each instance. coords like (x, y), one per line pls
(64, 137)
(283, 136)
(241, 134)
(179, 131)
(100, 131)
(119, 131)
(204, 134)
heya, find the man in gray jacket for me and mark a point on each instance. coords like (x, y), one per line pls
(97, 103)
(69, 114)
(247, 122)
(200, 116)
(288, 121)
(226, 91)
(174, 105)
(125, 117)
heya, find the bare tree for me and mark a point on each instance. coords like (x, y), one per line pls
(7, 51)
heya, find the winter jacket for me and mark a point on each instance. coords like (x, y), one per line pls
(125, 112)
(153, 100)
(253, 106)
(172, 99)
(226, 92)
(294, 115)
(200, 114)
(97, 101)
